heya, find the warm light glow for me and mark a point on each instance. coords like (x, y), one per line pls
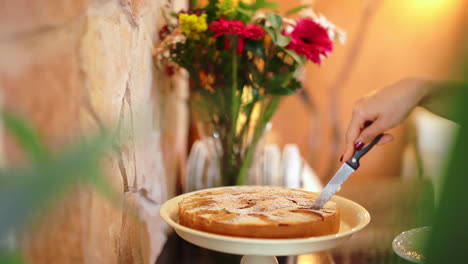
(315, 258)
(431, 7)
(308, 259)
(428, 5)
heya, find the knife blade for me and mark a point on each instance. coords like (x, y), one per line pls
(342, 175)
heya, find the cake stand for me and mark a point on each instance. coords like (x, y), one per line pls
(263, 251)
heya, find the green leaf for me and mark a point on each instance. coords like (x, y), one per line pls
(282, 91)
(276, 35)
(272, 34)
(194, 3)
(274, 64)
(296, 9)
(255, 47)
(295, 56)
(276, 84)
(259, 4)
(294, 84)
(245, 11)
(275, 20)
(282, 84)
(26, 136)
(245, 7)
(282, 40)
(247, 109)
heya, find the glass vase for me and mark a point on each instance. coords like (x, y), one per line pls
(230, 148)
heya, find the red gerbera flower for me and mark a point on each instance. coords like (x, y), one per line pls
(311, 40)
(227, 27)
(253, 32)
(235, 28)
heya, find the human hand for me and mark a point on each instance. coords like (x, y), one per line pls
(380, 111)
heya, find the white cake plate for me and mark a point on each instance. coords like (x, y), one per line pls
(263, 251)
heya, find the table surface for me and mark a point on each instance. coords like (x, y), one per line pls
(394, 205)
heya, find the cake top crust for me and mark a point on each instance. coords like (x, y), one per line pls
(261, 205)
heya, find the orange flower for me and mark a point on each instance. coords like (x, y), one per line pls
(206, 80)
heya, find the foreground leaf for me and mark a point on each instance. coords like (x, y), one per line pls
(25, 135)
(26, 190)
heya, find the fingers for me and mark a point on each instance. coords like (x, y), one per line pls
(385, 139)
(370, 132)
(349, 151)
(351, 148)
(354, 129)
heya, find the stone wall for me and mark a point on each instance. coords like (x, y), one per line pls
(72, 67)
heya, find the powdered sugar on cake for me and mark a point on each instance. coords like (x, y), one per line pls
(257, 204)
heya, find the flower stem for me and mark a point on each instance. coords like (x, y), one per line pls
(270, 109)
(230, 169)
(234, 110)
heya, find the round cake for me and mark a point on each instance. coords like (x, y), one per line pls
(258, 212)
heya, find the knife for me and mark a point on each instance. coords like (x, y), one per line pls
(342, 175)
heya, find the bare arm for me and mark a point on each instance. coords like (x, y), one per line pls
(388, 107)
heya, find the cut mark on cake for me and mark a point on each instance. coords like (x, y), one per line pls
(308, 211)
(224, 217)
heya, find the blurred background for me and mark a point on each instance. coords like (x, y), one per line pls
(72, 70)
(387, 41)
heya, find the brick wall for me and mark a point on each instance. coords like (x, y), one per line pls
(72, 67)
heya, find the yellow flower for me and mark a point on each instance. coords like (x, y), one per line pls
(226, 8)
(193, 25)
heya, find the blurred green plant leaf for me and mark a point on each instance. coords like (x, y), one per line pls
(25, 190)
(10, 258)
(25, 135)
(448, 242)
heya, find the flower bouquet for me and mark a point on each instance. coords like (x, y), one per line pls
(241, 60)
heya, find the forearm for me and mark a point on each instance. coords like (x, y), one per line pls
(438, 97)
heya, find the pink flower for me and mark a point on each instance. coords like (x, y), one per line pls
(235, 28)
(311, 40)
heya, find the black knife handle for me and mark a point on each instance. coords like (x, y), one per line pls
(354, 160)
